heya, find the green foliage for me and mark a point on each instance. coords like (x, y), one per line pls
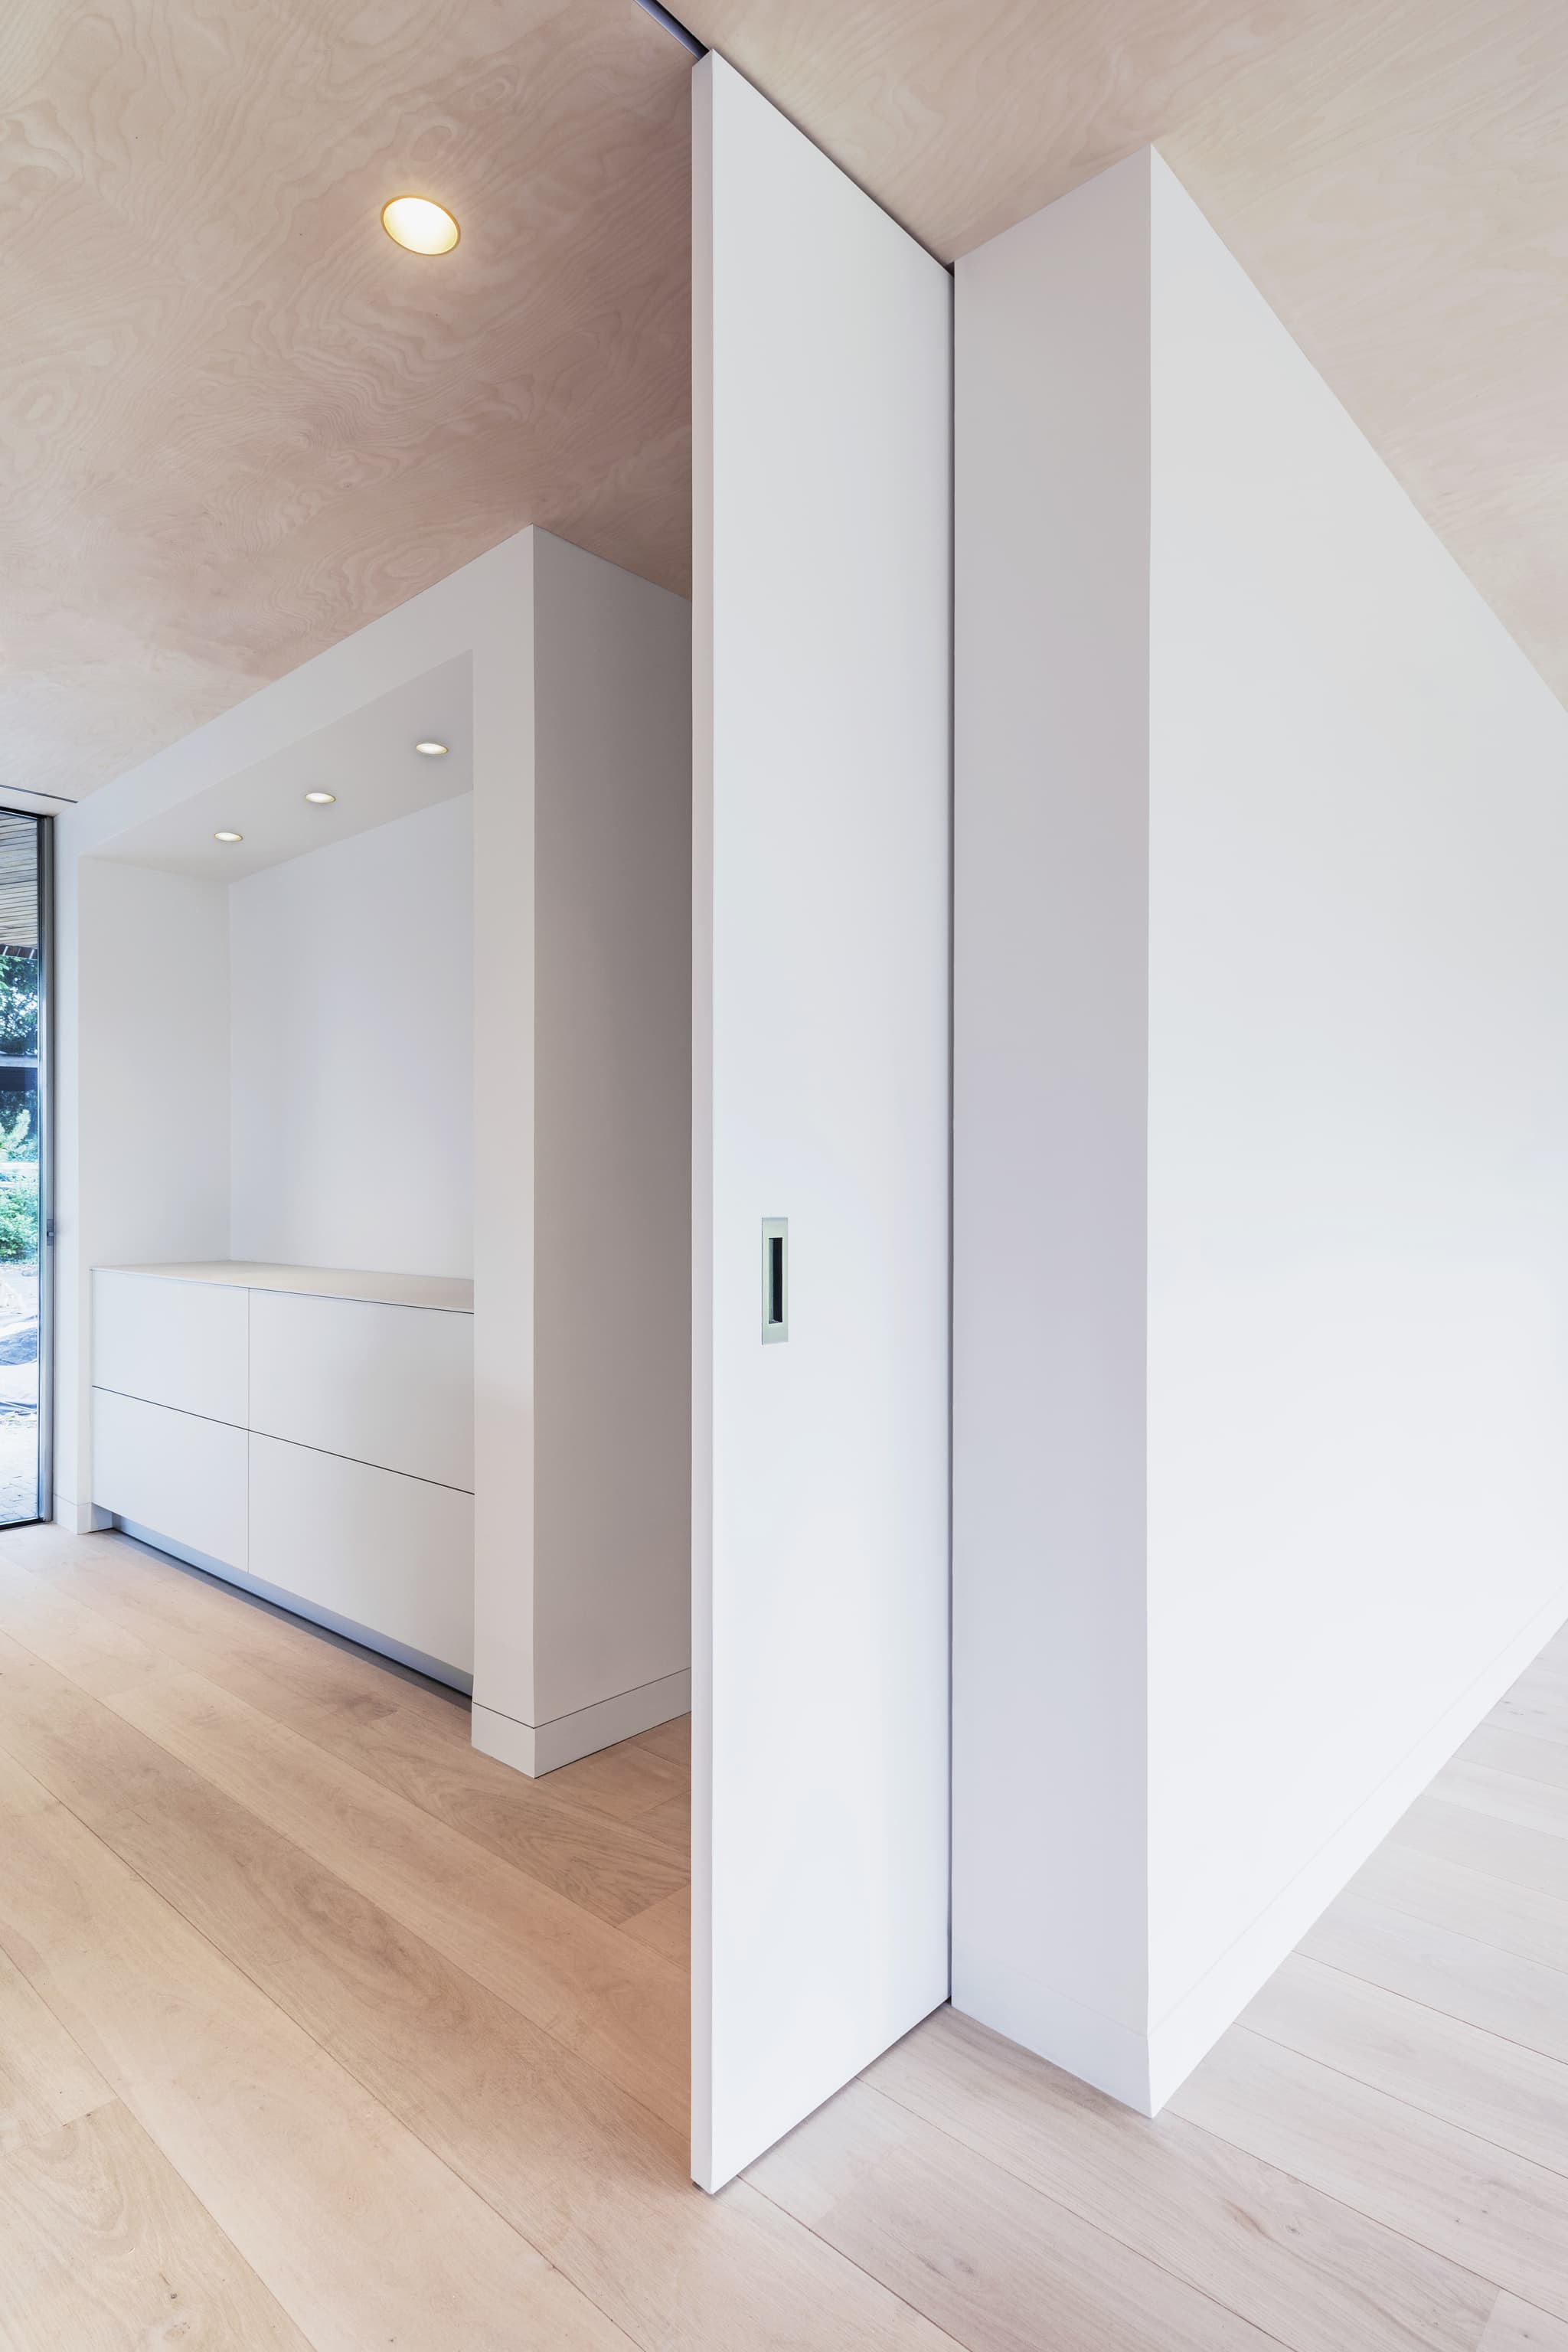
(18, 1213)
(18, 1001)
(18, 1187)
(17, 1140)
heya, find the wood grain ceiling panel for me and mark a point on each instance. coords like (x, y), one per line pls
(235, 421)
(1392, 174)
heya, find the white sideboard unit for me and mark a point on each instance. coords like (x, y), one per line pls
(305, 1432)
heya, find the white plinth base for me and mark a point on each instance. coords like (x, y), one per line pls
(538, 1748)
(80, 1518)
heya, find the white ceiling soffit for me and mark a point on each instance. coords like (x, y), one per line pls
(368, 759)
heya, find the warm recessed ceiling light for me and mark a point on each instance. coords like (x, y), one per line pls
(420, 227)
(322, 800)
(228, 836)
(432, 750)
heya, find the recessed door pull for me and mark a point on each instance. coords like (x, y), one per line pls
(775, 1279)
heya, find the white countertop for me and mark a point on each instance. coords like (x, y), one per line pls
(452, 1292)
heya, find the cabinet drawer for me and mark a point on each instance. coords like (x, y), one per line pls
(390, 1555)
(174, 1474)
(388, 1385)
(174, 1343)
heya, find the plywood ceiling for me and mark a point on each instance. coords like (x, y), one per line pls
(1392, 174)
(235, 421)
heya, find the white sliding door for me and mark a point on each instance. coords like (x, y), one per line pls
(822, 621)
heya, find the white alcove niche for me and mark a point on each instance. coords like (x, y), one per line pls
(435, 1031)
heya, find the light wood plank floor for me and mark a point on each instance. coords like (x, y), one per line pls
(318, 2031)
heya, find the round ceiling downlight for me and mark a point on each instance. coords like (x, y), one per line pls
(320, 800)
(432, 750)
(419, 225)
(228, 836)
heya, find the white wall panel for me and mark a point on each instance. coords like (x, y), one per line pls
(822, 634)
(390, 1385)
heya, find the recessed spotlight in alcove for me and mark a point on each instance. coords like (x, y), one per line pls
(320, 800)
(432, 750)
(228, 836)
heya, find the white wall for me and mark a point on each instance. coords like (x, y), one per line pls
(352, 1004)
(1356, 1162)
(141, 1080)
(583, 1572)
(1049, 1117)
(1358, 1135)
(612, 1134)
(821, 634)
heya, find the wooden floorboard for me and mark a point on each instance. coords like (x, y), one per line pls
(45, 2079)
(103, 2248)
(1498, 2215)
(1517, 2328)
(319, 2028)
(1492, 2087)
(1537, 1705)
(1503, 1749)
(611, 1867)
(1532, 1802)
(1452, 1828)
(353, 2226)
(1467, 1901)
(666, 1928)
(977, 2248)
(1512, 1995)
(1309, 2268)
(561, 1965)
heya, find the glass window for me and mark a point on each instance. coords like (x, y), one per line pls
(22, 1171)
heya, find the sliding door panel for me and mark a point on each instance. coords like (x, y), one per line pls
(822, 350)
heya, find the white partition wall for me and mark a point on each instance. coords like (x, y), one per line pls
(1261, 1141)
(582, 1579)
(821, 629)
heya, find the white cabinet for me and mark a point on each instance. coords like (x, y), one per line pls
(390, 1385)
(368, 1545)
(172, 1342)
(302, 1435)
(174, 1474)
